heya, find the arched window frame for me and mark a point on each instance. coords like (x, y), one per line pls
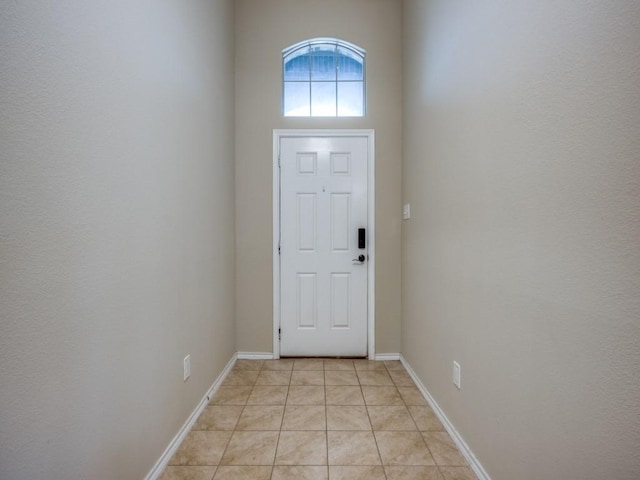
(336, 43)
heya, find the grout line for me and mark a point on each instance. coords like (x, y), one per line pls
(275, 454)
(326, 427)
(225, 449)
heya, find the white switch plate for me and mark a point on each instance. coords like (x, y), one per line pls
(456, 374)
(406, 211)
(187, 367)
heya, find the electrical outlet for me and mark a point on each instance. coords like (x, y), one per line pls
(456, 374)
(406, 211)
(187, 367)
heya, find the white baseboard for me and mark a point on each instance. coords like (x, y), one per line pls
(255, 356)
(461, 444)
(163, 461)
(387, 356)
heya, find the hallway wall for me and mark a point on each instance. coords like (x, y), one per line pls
(116, 229)
(263, 29)
(521, 260)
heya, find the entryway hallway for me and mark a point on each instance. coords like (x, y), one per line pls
(318, 419)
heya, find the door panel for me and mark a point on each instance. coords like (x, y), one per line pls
(307, 300)
(340, 300)
(306, 222)
(323, 203)
(340, 221)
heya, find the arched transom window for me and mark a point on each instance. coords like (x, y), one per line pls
(323, 77)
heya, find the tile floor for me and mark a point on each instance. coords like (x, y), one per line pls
(317, 419)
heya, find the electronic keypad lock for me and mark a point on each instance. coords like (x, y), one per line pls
(362, 235)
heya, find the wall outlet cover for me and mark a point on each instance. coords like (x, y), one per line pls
(406, 211)
(186, 367)
(456, 374)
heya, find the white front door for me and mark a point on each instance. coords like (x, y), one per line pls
(323, 267)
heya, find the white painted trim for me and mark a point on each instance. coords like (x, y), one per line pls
(371, 221)
(255, 356)
(276, 243)
(459, 441)
(163, 461)
(387, 356)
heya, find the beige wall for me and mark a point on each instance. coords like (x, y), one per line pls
(520, 261)
(263, 29)
(116, 229)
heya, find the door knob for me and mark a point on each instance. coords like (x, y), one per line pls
(361, 259)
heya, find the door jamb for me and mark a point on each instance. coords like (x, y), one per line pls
(369, 134)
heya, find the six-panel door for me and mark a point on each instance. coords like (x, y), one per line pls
(323, 203)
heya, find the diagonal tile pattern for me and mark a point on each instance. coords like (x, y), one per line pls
(313, 418)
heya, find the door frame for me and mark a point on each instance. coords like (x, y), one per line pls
(369, 134)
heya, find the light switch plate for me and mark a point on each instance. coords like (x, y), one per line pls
(406, 211)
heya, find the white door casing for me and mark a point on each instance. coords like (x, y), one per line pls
(323, 295)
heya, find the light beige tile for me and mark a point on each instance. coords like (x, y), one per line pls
(251, 448)
(338, 364)
(457, 473)
(425, 418)
(188, 473)
(344, 395)
(231, 395)
(394, 365)
(369, 365)
(401, 378)
(218, 417)
(304, 417)
(403, 448)
(412, 396)
(243, 473)
(302, 448)
(352, 448)
(308, 364)
(243, 364)
(306, 395)
(201, 448)
(299, 473)
(356, 473)
(283, 364)
(381, 396)
(307, 377)
(374, 377)
(396, 418)
(261, 417)
(272, 377)
(268, 395)
(241, 377)
(412, 473)
(443, 449)
(339, 377)
(347, 418)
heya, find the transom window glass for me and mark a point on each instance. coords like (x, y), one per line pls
(323, 78)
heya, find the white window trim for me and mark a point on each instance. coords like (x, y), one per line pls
(337, 42)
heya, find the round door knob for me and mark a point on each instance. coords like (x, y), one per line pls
(361, 258)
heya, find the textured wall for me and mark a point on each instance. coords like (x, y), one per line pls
(263, 29)
(521, 259)
(116, 229)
